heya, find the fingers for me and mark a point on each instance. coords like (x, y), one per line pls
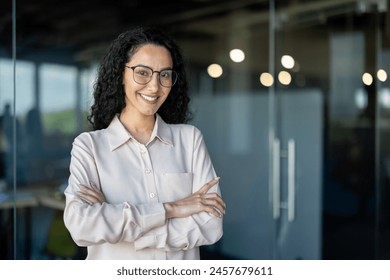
(89, 192)
(94, 186)
(214, 204)
(206, 187)
(85, 198)
(91, 195)
(215, 199)
(213, 211)
(211, 202)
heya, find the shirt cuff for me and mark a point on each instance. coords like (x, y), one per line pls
(150, 241)
(160, 242)
(151, 215)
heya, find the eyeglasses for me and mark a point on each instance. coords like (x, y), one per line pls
(143, 75)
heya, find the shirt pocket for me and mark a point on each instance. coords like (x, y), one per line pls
(175, 186)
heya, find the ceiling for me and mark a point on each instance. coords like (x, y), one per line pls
(84, 24)
(85, 27)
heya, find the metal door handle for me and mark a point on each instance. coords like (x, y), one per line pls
(276, 179)
(291, 180)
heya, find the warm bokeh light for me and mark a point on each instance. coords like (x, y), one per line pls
(266, 79)
(237, 55)
(382, 75)
(215, 70)
(367, 79)
(284, 78)
(288, 61)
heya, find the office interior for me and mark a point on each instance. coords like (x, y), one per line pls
(292, 97)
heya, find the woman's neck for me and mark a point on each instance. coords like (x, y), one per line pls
(140, 127)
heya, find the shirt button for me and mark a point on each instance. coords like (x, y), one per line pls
(143, 151)
(152, 195)
(147, 171)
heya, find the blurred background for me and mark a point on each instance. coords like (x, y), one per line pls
(292, 97)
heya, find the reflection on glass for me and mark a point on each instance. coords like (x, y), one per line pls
(361, 99)
(385, 97)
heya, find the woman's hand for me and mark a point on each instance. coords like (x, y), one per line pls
(200, 201)
(91, 195)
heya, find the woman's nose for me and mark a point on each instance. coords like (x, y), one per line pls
(154, 82)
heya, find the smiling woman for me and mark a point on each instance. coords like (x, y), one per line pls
(144, 94)
(142, 185)
(298, 135)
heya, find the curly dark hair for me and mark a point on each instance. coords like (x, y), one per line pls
(109, 95)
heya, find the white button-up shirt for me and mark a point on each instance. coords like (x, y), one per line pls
(136, 180)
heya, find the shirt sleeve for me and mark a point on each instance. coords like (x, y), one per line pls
(196, 230)
(100, 223)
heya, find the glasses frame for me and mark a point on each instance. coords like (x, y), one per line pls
(151, 76)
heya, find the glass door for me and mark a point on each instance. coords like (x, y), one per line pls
(382, 151)
(330, 128)
(297, 145)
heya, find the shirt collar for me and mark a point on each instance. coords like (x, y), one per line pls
(118, 134)
(162, 131)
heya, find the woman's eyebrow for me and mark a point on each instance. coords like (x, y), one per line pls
(162, 69)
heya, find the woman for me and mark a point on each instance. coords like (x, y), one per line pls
(142, 185)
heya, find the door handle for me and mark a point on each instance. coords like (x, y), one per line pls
(276, 179)
(291, 181)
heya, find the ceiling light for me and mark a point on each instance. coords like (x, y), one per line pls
(237, 55)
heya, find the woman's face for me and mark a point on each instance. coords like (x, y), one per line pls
(146, 99)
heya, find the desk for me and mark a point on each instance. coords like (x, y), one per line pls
(52, 200)
(20, 200)
(23, 201)
(30, 197)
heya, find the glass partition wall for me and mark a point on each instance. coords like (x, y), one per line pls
(337, 49)
(292, 98)
(324, 50)
(7, 74)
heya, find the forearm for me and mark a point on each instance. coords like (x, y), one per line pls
(183, 233)
(99, 223)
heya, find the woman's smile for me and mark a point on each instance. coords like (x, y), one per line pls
(149, 98)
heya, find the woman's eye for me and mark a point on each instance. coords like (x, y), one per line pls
(166, 75)
(142, 73)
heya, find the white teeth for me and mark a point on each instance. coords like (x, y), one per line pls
(149, 98)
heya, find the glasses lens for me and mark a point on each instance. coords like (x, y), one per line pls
(142, 75)
(168, 78)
